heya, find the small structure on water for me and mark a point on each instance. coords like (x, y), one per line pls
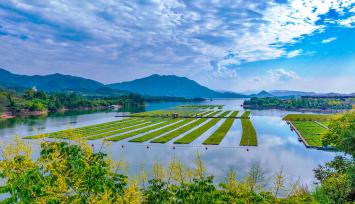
(175, 115)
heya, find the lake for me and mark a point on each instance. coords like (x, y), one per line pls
(278, 147)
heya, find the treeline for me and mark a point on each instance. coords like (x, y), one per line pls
(298, 103)
(33, 100)
(75, 173)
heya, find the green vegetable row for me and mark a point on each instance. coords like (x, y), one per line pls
(311, 132)
(181, 130)
(221, 132)
(249, 134)
(143, 130)
(159, 132)
(190, 137)
(308, 117)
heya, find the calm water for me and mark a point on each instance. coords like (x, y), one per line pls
(278, 147)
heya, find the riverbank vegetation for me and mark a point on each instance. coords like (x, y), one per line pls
(38, 102)
(314, 104)
(75, 173)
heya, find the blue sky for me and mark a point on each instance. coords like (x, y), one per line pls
(242, 45)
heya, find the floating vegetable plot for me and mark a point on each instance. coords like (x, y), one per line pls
(311, 132)
(308, 117)
(200, 106)
(310, 128)
(245, 114)
(222, 130)
(159, 132)
(89, 130)
(249, 134)
(202, 129)
(119, 130)
(186, 128)
(156, 125)
(159, 126)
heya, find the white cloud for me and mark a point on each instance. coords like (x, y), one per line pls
(282, 75)
(349, 22)
(220, 69)
(328, 40)
(294, 53)
(156, 35)
(273, 76)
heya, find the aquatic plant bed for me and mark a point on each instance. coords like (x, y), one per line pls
(245, 114)
(121, 130)
(308, 117)
(197, 106)
(161, 131)
(222, 130)
(151, 128)
(88, 130)
(190, 137)
(107, 132)
(311, 132)
(249, 137)
(166, 138)
(158, 124)
(166, 113)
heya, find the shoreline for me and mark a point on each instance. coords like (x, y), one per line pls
(24, 113)
(298, 109)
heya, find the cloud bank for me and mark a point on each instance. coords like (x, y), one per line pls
(134, 38)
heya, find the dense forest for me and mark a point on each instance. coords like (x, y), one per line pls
(299, 103)
(75, 173)
(31, 100)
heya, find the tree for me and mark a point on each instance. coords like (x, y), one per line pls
(342, 133)
(337, 178)
(3, 102)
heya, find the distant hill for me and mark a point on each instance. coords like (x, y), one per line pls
(282, 93)
(53, 82)
(171, 85)
(262, 94)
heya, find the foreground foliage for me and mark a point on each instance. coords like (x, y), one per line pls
(337, 178)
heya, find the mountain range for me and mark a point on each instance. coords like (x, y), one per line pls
(171, 85)
(154, 85)
(53, 82)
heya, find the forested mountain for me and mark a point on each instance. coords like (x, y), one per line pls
(171, 85)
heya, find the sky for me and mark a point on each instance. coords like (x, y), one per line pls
(234, 45)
